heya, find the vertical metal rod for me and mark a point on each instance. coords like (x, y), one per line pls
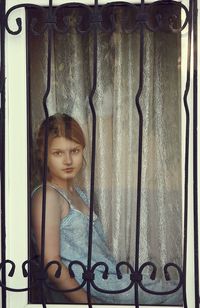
(187, 113)
(44, 180)
(195, 153)
(29, 157)
(2, 169)
(140, 141)
(93, 153)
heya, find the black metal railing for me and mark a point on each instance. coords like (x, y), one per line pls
(142, 21)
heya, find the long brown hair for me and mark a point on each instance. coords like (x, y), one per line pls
(59, 125)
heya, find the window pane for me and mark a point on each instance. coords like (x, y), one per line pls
(117, 128)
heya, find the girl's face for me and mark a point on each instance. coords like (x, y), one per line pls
(65, 159)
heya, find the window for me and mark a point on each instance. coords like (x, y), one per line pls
(16, 91)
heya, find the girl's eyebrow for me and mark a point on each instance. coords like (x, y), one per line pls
(60, 149)
(76, 146)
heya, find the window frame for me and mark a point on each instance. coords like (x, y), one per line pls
(16, 156)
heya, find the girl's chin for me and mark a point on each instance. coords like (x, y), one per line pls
(61, 180)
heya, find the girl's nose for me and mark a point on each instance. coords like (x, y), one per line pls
(68, 158)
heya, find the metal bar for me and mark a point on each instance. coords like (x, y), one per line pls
(2, 149)
(92, 180)
(46, 141)
(187, 113)
(140, 141)
(195, 153)
(29, 141)
(44, 180)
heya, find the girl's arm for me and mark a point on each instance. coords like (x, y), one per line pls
(52, 242)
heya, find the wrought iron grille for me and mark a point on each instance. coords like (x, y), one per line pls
(96, 23)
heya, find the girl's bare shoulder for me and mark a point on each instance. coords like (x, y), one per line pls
(55, 202)
(51, 196)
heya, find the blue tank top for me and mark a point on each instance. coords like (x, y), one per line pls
(74, 246)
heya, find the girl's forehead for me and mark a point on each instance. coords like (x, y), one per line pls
(62, 142)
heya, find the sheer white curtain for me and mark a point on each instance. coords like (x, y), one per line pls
(117, 130)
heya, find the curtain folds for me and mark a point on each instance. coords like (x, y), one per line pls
(118, 127)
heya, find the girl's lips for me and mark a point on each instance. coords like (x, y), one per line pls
(68, 170)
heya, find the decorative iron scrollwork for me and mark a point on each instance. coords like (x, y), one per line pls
(167, 277)
(164, 16)
(71, 272)
(157, 16)
(89, 276)
(18, 19)
(11, 274)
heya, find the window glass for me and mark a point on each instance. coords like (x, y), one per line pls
(116, 160)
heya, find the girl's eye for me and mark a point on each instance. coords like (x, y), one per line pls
(75, 151)
(58, 153)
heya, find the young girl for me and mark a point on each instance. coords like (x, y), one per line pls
(67, 220)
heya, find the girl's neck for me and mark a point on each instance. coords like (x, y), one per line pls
(68, 187)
